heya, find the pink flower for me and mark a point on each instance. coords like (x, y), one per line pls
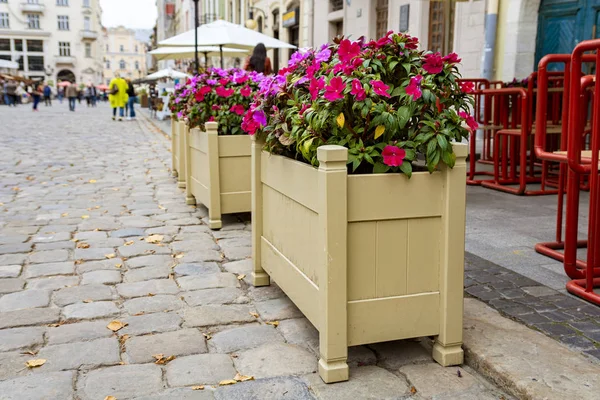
(411, 43)
(380, 88)
(348, 50)
(238, 109)
(216, 107)
(316, 85)
(223, 81)
(249, 125)
(466, 87)
(222, 92)
(414, 87)
(357, 90)
(211, 119)
(241, 79)
(348, 68)
(200, 93)
(433, 63)
(246, 91)
(393, 156)
(335, 90)
(473, 125)
(384, 40)
(452, 58)
(260, 117)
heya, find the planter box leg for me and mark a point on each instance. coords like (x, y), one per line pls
(447, 349)
(173, 148)
(259, 276)
(181, 151)
(214, 187)
(333, 225)
(189, 198)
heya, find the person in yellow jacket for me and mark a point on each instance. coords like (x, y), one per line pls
(118, 97)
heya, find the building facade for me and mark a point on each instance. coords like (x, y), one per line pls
(123, 54)
(53, 39)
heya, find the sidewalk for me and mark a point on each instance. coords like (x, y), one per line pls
(94, 230)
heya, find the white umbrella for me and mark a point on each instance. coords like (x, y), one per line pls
(179, 53)
(9, 64)
(167, 73)
(225, 34)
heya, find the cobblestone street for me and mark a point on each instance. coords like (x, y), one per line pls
(95, 230)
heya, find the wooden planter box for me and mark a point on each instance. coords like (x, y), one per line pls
(178, 142)
(174, 148)
(366, 258)
(218, 172)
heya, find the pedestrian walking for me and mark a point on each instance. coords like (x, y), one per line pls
(259, 61)
(47, 95)
(60, 94)
(36, 94)
(132, 99)
(118, 96)
(11, 93)
(20, 93)
(5, 92)
(93, 94)
(71, 93)
(88, 96)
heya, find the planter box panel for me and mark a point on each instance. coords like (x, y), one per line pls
(414, 316)
(421, 196)
(297, 180)
(298, 287)
(423, 255)
(198, 177)
(175, 145)
(234, 146)
(287, 220)
(181, 153)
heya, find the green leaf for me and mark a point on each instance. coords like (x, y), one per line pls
(403, 114)
(406, 168)
(380, 168)
(431, 148)
(441, 139)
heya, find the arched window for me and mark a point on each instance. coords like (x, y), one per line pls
(137, 65)
(107, 64)
(259, 23)
(122, 64)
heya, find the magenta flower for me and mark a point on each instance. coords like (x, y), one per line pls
(316, 85)
(471, 123)
(452, 58)
(357, 90)
(433, 63)
(222, 92)
(223, 81)
(260, 117)
(380, 88)
(215, 107)
(335, 90)
(240, 78)
(238, 109)
(393, 156)
(414, 87)
(323, 55)
(348, 50)
(246, 91)
(467, 87)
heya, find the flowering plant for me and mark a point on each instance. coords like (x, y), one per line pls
(220, 95)
(391, 105)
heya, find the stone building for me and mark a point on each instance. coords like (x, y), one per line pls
(123, 54)
(53, 39)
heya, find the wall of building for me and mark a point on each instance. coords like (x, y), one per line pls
(469, 36)
(84, 67)
(121, 45)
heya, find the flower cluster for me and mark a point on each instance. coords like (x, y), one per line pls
(394, 107)
(220, 95)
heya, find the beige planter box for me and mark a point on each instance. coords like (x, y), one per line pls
(367, 258)
(218, 172)
(174, 147)
(182, 133)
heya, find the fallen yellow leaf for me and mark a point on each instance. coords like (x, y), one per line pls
(35, 363)
(199, 387)
(77, 262)
(242, 276)
(379, 131)
(64, 214)
(155, 239)
(110, 398)
(255, 315)
(118, 265)
(30, 352)
(75, 240)
(180, 255)
(243, 378)
(274, 323)
(30, 178)
(15, 189)
(160, 359)
(116, 325)
(96, 207)
(83, 245)
(227, 382)
(88, 301)
(129, 243)
(92, 181)
(413, 390)
(207, 336)
(341, 120)
(85, 216)
(109, 256)
(161, 207)
(116, 189)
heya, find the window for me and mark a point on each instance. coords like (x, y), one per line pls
(63, 22)
(107, 64)
(86, 23)
(33, 21)
(137, 65)
(35, 45)
(36, 63)
(21, 62)
(63, 3)
(64, 48)
(122, 64)
(121, 49)
(88, 50)
(5, 56)
(4, 20)
(336, 5)
(381, 13)
(441, 26)
(86, 3)
(19, 44)
(3, 1)
(4, 44)
(33, 1)
(136, 48)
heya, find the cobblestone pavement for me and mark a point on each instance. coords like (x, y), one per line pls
(94, 230)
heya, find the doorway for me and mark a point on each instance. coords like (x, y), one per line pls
(65, 75)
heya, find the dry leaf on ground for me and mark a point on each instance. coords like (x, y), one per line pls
(255, 315)
(116, 325)
(64, 214)
(413, 390)
(242, 276)
(274, 323)
(30, 352)
(75, 240)
(118, 265)
(155, 239)
(88, 301)
(243, 378)
(85, 216)
(161, 207)
(199, 387)
(180, 255)
(129, 243)
(77, 262)
(83, 245)
(207, 336)
(110, 398)
(161, 359)
(227, 382)
(35, 363)
(92, 181)
(109, 256)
